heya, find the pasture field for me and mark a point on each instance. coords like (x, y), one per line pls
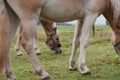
(102, 60)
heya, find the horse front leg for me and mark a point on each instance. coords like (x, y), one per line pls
(86, 28)
(76, 43)
(28, 34)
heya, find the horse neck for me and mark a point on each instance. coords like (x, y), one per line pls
(109, 15)
(47, 26)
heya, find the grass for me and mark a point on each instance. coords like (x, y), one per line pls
(102, 60)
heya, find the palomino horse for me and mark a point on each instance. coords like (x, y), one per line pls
(52, 39)
(85, 11)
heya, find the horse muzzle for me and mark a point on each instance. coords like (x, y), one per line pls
(57, 49)
(116, 47)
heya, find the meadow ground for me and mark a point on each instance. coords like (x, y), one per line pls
(102, 60)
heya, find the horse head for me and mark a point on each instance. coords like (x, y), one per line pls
(116, 37)
(52, 40)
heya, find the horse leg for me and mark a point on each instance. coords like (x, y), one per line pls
(35, 45)
(29, 20)
(89, 20)
(13, 28)
(28, 34)
(18, 42)
(14, 22)
(76, 43)
(17, 47)
(8, 72)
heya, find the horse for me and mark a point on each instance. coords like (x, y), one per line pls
(55, 46)
(84, 11)
(52, 39)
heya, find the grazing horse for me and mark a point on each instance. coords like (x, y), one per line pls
(84, 11)
(52, 39)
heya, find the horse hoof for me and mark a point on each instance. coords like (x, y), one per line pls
(72, 69)
(87, 73)
(46, 78)
(39, 53)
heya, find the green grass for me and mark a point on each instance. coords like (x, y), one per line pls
(102, 60)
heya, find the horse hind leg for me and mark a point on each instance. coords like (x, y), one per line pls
(29, 18)
(29, 27)
(86, 28)
(35, 45)
(4, 36)
(18, 42)
(13, 20)
(8, 71)
(76, 43)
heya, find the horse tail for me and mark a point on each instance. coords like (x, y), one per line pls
(116, 8)
(4, 36)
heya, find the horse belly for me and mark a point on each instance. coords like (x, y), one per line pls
(58, 12)
(58, 16)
